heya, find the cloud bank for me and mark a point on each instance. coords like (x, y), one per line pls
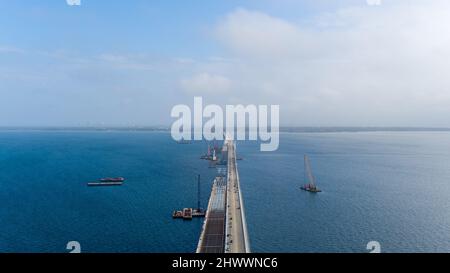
(368, 66)
(205, 83)
(344, 63)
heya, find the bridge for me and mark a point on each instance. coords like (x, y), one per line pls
(225, 228)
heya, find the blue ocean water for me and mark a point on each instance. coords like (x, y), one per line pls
(391, 187)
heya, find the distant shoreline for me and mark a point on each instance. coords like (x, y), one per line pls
(281, 130)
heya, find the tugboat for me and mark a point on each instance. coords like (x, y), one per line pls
(309, 178)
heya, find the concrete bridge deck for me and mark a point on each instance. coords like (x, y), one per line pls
(236, 225)
(213, 232)
(225, 227)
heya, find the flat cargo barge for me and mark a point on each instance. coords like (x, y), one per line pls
(104, 184)
(108, 181)
(188, 213)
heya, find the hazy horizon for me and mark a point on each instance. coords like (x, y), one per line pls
(281, 129)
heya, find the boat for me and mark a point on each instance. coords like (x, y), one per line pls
(107, 181)
(309, 178)
(187, 214)
(177, 214)
(112, 179)
(99, 184)
(208, 154)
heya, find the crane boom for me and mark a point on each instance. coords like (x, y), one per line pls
(308, 172)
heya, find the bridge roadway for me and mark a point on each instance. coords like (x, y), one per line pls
(225, 227)
(213, 231)
(236, 235)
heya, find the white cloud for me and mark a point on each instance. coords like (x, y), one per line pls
(126, 62)
(255, 33)
(10, 49)
(357, 65)
(366, 65)
(205, 83)
(114, 58)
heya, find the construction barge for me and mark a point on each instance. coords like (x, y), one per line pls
(116, 181)
(189, 213)
(309, 178)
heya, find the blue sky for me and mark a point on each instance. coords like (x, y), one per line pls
(161, 27)
(327, 63)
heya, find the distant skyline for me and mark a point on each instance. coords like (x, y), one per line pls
(127, 63)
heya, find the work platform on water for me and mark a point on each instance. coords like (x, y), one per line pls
(309, 178)
(108, 181)
(189, 213)
(225, 229)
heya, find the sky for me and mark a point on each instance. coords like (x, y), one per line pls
(127, 63)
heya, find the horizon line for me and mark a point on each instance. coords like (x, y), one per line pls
(283, 129)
